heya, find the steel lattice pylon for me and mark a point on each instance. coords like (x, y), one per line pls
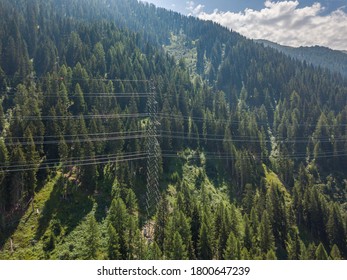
(152, 192)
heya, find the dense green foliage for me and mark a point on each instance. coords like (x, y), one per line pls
(335, 61)
(253, 144)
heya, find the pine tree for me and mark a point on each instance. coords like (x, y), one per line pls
(182, 226)
(113, 243)
(119, 218)
(335, 253)
(271, 255)
(3, 194)
(205, 243)
(2, 115)
(245, 254)
(92, 238)
(232, 249)
(79, 106)
(32, 159)
(178, 250)
(154, 252)
(248, 236)
(140, 246)
(195, 226)
(161, 222)
(277, 214)
(16, 185)
(222, 229)
(294, 246)
(310, 251)
(266, 237)
(321, 253)
(335, 228)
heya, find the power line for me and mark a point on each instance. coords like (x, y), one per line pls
(70, 159)
(85, 162)
(78, 135)
(66, 117)
(218, 121)
(163, 134)
(139, 136)
(62, 78)
(253, 156)
(185, 136)
(92, 94)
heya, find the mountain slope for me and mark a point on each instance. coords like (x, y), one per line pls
(335, 61)
(252, 144)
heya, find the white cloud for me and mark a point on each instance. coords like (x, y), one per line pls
(194, 10)
(285, 23)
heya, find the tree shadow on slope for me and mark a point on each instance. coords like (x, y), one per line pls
(68, 204)
(9, 226)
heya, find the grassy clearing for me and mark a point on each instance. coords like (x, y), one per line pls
(24, 244)
(51, 212)
(272, 179)
(181, 48)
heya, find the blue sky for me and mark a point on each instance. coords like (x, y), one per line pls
(237, 5)
(290, 22)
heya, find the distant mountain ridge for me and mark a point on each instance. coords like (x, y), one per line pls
(334, 60)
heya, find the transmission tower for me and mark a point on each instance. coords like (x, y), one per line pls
(153, 153)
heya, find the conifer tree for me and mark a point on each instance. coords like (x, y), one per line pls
(161, 222)
(321, 253)
(92, 238)
(178, 251)
(32, 159)
(154, 252)
(140, 246)
(245, 254)
(79, 104)
(294, 245)
(335, 253)
(16, 187)
(113, 243)
(271, 255)
(205, 243)
(232, 249)
(266, 237)
(335, 228)
(247, 240)
(119, 218)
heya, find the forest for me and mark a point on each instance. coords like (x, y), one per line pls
(251, 161)
(319, 56)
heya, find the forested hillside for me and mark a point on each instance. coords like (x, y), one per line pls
(333, 60)
(253, 144)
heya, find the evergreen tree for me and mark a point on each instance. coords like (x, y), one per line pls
(113, 243)
(321, 253)
(266, 237)
(232, 249)
(3, 194)
(154, 252)
(161, 222)
(140, 246)
(271, 255)
(119, 219)
(205, 243)
(178, 250)
(92, 238)
(294, 246)
(335, 253)
(335, 228)
(79, 104)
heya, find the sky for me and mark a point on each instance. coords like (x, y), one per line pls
(291, 22)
